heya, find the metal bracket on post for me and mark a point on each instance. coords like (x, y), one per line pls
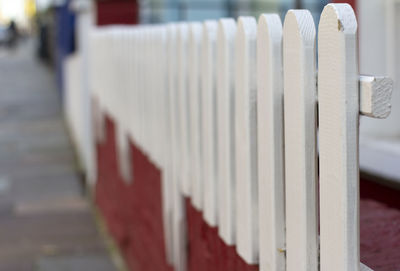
(375, 96)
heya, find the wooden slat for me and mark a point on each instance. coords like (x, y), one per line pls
(123, 150)
(136, 108)
(339, 122)
(179, 233)
(140, 87)
(96, 68)
(246, 140)
(184, 112)
(143, 92)
(226, 129)
(209, 121)
(178, 213)
(363, 267)
(300, 141)
(134, 99)
(152, 97)
(167, 173)
(162, 87)
(375, 96)
(195, 34)
(270, 137)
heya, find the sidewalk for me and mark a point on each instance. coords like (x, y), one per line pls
(46, 223)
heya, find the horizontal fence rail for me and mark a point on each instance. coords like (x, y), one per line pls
(228, 111)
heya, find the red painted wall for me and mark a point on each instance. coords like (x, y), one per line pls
(207, 251)
(133, 213)
(117, 12)
(132, 210)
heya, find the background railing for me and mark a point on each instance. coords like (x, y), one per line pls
(231, 112)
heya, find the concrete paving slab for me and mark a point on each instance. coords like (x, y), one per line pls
(75, 263)
(46, 222)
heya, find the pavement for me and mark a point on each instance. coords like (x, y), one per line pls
(46, 220)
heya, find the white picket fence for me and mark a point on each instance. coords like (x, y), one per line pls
(231, 112)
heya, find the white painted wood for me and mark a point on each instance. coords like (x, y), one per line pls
(159, 114)
(174, 101)
(184, 112)
(95, 67)
(168, 205)
(123, 154)
(246, 140)
(148, 92)
(164, 122)
(151, 96)
(195, 34)
(338, 123)
(209, 121)
(226, 130)
(98, 121)
(95, 59)
(179, 228)
(271, 193)
(136, 97)
(300, 141)
(178, 213)
(140, 87)
(158, 97)
(363, 267)
(167, 173)
(375, 96)
(134, 68)
(123, 73)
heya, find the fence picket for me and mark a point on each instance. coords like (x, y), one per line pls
(123, 150)
(246, 140)
(228, 112)
(167, 173)
(338, 124)
(184, 113)
(195, 34)
(178, 213)
(300, 141)
(270, 143)
(226, 129)
(209, 119)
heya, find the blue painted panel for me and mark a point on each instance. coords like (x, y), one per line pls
(65, 38)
